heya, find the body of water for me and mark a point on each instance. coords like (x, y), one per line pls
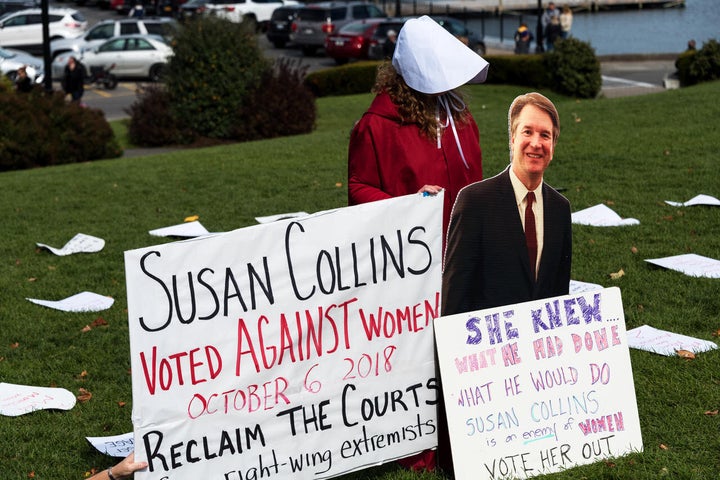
(655, 30)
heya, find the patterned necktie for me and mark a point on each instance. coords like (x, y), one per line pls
(530, 234)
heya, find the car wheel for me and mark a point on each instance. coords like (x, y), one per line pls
(279, 43)
(11, 76)
(156, 72)
(341, 61)
(111, 82)
(308, 51)
(480, 48)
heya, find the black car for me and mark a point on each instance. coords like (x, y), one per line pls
(190, 9)
(8, 6)
(278, 30)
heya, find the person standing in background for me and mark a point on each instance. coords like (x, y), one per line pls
(566, 19)
(389, 44)
(137, 11)
(550, 12)
(552, 33)
(74, 80)
(523, 38)
(23, 84)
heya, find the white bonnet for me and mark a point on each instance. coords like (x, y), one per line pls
(431, 60)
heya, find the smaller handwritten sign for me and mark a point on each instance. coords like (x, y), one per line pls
(114, 445)
(185, 230)
(696, 200)
(80, 302)
(534, 388)
(601, 216)
(690, 264)
(80, 243)
(666, 343)
(21, 399)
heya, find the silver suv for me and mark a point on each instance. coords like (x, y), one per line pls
(315, 21)
(112, 28)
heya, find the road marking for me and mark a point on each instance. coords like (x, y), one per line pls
(625, 81)
(102, 93)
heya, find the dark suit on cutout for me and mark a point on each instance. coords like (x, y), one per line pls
(486, 259)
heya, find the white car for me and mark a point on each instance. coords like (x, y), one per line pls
(23, 29)
(133, 56)
(108, 29)
(255, 12)
(11, 60)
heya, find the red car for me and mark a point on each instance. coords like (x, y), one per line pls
(354, 40)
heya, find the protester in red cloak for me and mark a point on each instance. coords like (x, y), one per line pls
(419, 136)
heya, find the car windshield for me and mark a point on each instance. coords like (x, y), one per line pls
(383, 28)
(5, 54)
(313, 15)
(354, 28)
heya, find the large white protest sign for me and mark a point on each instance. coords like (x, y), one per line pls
(301, 348)
(538, 387)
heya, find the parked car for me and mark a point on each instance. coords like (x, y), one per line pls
(133, 56)
(315, 21)
(101, 31)
(462, 33)
(452, 25)
(11, 60)
(190, 9)
(255, 12)
(9, 6)
(23, 29)
(377, 49)
(354, 40)
(123, 7)
(278, 30)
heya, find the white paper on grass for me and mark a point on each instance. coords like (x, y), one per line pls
(666, 343)
(696, 200)
(81, 302)
(690, 264)
(80, 243)
(577, 286)
(601, 216)
(187, 229)
(21, 399)
(280, 216)
(115, 445)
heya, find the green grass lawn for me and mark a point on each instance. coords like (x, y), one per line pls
(630, 153)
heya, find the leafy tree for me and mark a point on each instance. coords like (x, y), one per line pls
(215, 64)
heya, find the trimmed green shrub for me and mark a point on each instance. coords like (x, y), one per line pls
(573, 69)
(700, 66)
(356, 77)
(6, 85)
(523, 70)
(219, 86)
(682, 63)
(215, 64)
(152, 122)
(42, 129)
(282, 105)
(570, 69)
